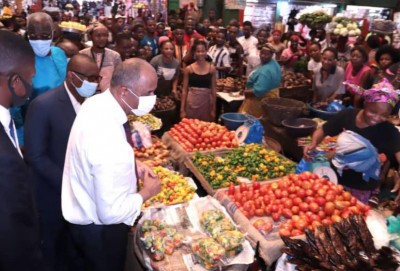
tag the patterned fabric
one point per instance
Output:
(382, 92)
(362, 195)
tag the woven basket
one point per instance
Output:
(299, 93)
(279, 109)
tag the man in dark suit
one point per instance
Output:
(47, 127)
(19, 231)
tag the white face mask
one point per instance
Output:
(146, 104)
(41, 47)
(87, 89)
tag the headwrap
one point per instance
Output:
(267, 46)
(162, 39)
(294, 37)
(382, 92)
(276, 31)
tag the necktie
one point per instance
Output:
(12, 133)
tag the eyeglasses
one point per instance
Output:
(89, 78)
(45, 36)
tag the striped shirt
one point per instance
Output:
(220, 57)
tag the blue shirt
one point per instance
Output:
(265, 78)
(50, 71)
(152, 42)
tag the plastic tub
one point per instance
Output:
(232, 121)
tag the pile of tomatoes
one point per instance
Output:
(297, 202)
(197, 135)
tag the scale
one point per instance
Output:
(250, 132)
(327, 173)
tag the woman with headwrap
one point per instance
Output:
(369, 126)
(262, 82)
(292, 54)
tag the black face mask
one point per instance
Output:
(17, 100)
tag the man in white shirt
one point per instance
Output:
(220, 56)
(47, 126)
(19, 228)
(99, 187)
(248, 41)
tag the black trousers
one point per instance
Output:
(103, 246)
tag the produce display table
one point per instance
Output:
(188, 226)
(276, 215)
(267, 170)
(178, 154)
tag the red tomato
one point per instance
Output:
(259, 223)
(243, 187)
(266, 199)
(288, 203)
(287, 213)
(284, 232)
(297, 201)
(321, 214)
(301, 193)
(231, 189)
(329, 208)
(259, 212)
(238, 196)
(346, 196)
(256, 185)
(274, 208)
(301, 224)
(353, 201)
(295, 210)
(313, 207)
(267, 227)
(263, 190)
(304, 206)
(258, 203)
(268, 209)
(276, 216)
(320, 201)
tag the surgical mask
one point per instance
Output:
(17, 100)
(146, 104)
(41, 47)
(87, 89)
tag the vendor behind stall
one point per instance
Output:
(328, 79)
(262, 83)
(372, 128)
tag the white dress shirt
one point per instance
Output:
(5, 118)
(248, 44)
(99, 182)
(75, 104)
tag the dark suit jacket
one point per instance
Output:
(47, 126)
(19, 231)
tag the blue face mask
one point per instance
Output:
(41, 47)
(87, 89)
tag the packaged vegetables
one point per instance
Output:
(160, 239)
(226, 240)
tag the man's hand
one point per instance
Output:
(396, 187)
(151, 185)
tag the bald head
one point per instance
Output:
(39, 18)
(14, 51)
(133, 73)
(80, 62)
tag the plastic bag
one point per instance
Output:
(377, 226)
(318, 159)
(230, 240)
(335, 107)
(256, 132)
(209, 251)
(141, 135)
